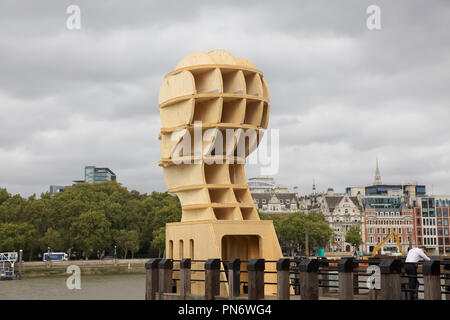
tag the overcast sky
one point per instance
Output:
(341, 94)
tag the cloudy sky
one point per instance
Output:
(341, 94)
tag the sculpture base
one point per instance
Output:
(225, 240)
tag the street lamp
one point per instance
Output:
(115, 252)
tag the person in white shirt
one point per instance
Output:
(414, 256)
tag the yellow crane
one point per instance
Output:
(394, 235)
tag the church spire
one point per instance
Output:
(377, 180)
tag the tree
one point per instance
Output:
(85, 218)
(14, 237)
(159, 240)
(91, 233)
(353, 236)
(128, 240)
(52, 239)
(291, 230)
(4, 195)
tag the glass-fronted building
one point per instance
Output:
(94, 175)
(388, 189)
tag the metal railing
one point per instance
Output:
(345, 278)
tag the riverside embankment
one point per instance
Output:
(88, 267)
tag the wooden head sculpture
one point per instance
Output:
(219, 92)
(210, 106)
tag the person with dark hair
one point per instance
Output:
(414, 256)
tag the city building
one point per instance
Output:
(272, 198)
(92, 174)
(431, 221)
(442, 204)
(55, 189)
(310, 202)
(410, 191)
(342, 212)
(384, 214)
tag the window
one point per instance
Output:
(263, 200)
(170, 255)
(191, 248)
(288, 201)
(445, 222)
(181, 250)
(281, 201)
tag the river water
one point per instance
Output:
(101, 287)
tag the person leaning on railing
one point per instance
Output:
(414, 256)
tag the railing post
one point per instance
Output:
(309, 281)
(212, 279)
(20, 264)
(345, 269)
(432, 280)
(404, 281)
(447, 278)
(151, 281)
(185, 278)
(283, 267)
(391, 288)
(234, 278)
(255, 269)
(324, 278)
(355, 278)
(165, 277)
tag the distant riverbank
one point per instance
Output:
(93, 287)
(88, 267)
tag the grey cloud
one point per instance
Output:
(340, 94)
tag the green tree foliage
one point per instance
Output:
(87, 220)
(158, 241)
(128, 240)
(353, 236)
(291, 229)
(52, 239)
(14, 237)
(91, 232)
